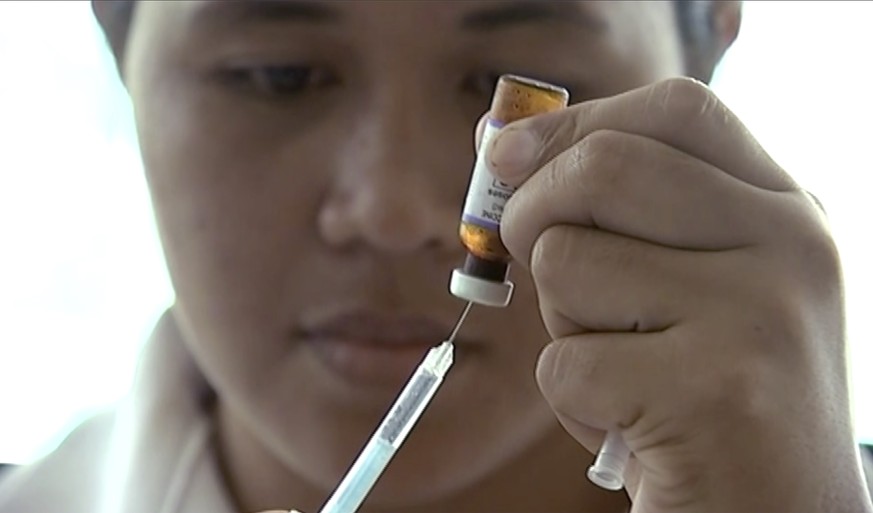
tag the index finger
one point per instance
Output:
(680, 112)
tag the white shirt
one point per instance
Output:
(152, 454)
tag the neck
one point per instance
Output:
(550, 476)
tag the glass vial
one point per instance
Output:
(484, 277)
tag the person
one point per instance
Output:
(307, 162)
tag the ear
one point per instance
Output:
(711, 28)
(114, 17)
(725, 19)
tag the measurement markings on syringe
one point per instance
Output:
(401, 413)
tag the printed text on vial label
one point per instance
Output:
(487, 196)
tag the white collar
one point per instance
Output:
(161, 457)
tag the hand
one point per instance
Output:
(694, 297)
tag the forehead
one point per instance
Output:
(597, 17)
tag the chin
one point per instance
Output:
(442, 463)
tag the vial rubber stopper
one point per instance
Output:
(480, 291)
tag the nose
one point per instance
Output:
(391, 194)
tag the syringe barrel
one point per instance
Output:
(392, 431)
(359, 480)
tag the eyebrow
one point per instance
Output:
(510, 14)
(242, 12)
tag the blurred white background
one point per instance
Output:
(81, 275)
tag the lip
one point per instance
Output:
(373, 348)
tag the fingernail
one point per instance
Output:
(512, 154)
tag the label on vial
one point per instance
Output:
(486, 195)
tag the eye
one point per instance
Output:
(277, 80)
(481, 84)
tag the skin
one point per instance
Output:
(685, 290)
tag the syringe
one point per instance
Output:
(396, 425)
(608, 469)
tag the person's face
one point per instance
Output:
(308, 163)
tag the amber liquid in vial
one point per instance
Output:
(514, 98)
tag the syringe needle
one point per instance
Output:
(460, 322)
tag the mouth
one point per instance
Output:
(371, 348)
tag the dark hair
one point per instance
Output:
(693, 17)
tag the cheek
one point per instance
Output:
(236, 213)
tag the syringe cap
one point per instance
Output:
(607, 472)
(477, 290)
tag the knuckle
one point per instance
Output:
(807, 245)
(733, 386)
(768, 343)
(557, 131)
(685, 99)
(548, 257)
(558, 173)
(774, 326)
(602, 144)
(563, 371)
(736, 392)
(817, 203)
(819, 257)
(600, 159)
(520, 221)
